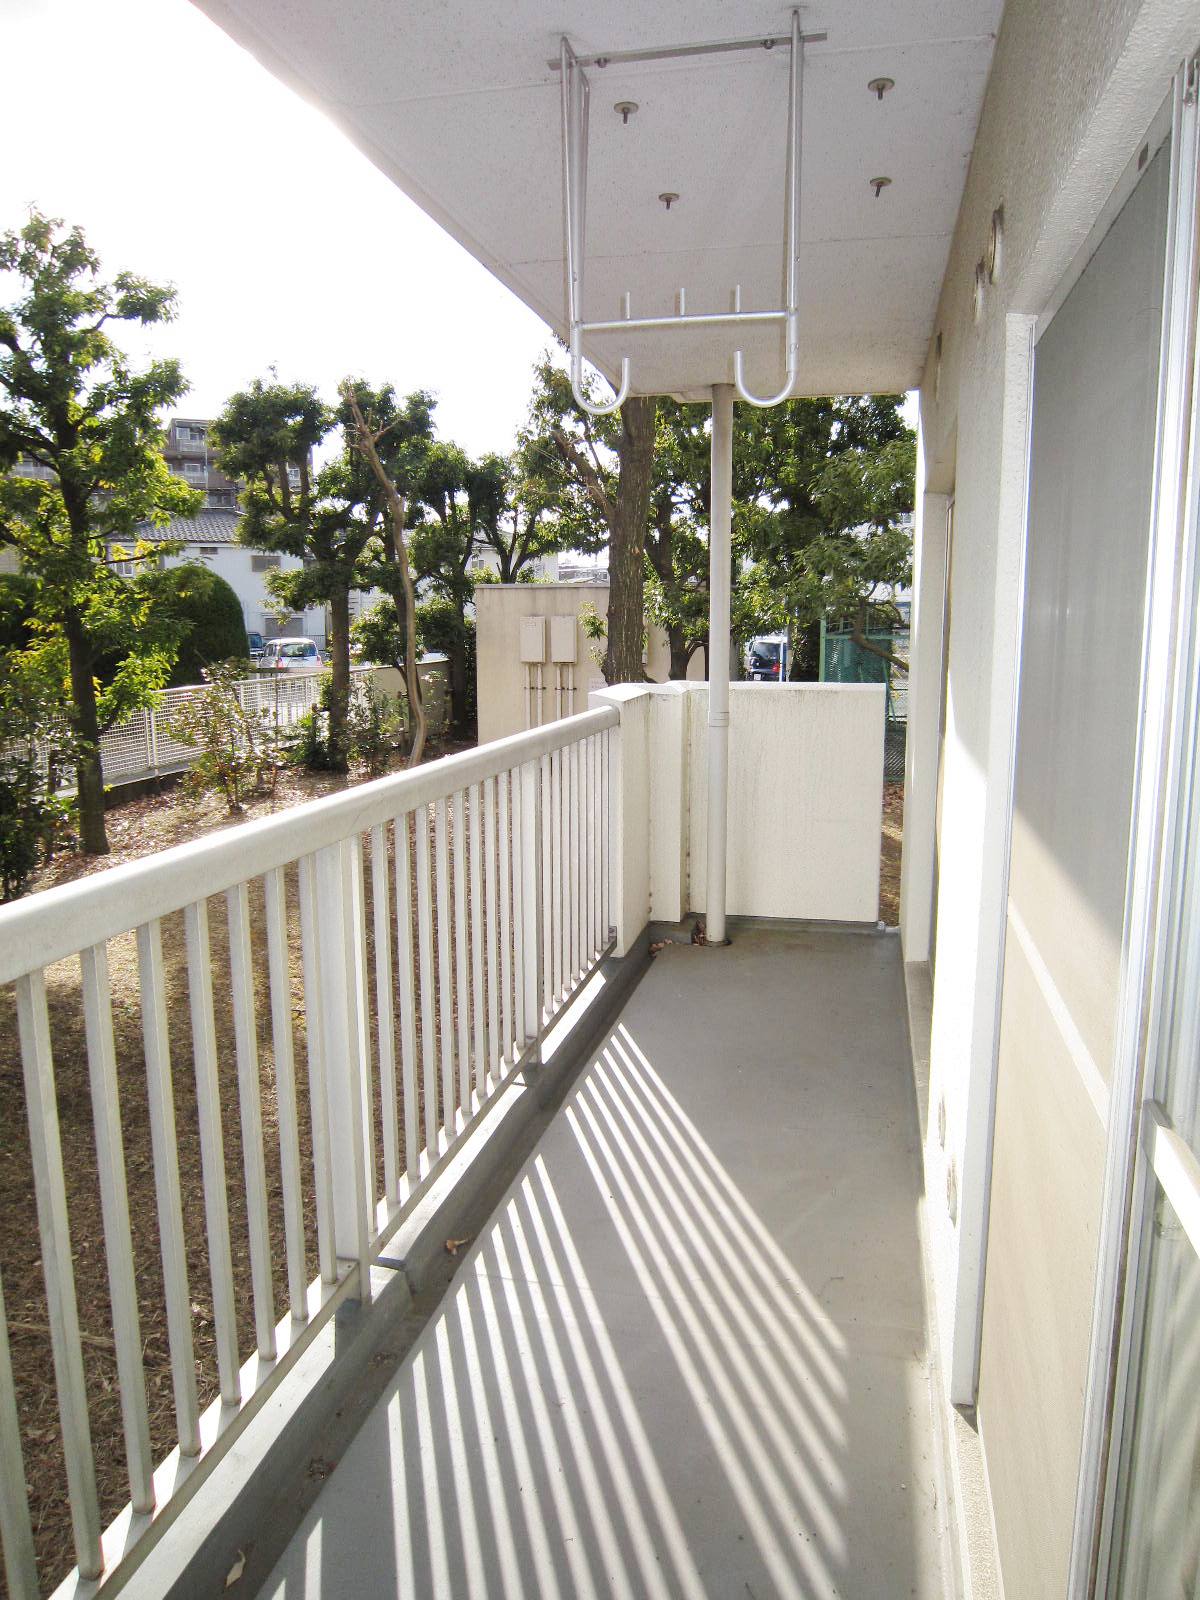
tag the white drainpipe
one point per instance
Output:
(719, 534)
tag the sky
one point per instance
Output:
(186, 162)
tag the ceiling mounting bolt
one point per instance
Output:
(880, 86)
(879, 185)
(602, 62)
(768, 44)
(668, 198)
(625, 109)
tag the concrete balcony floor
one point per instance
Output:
(686, 1356)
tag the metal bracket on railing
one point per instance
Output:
(575, 95)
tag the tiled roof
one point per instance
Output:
(213, 525)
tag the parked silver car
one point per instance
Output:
(291, 655)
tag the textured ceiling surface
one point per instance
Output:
(456, 101)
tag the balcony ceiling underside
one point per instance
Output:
(457, 103)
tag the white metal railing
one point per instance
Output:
(409, 941)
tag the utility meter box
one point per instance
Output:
(533, 640)
(563, 645)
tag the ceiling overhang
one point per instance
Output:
(459, 104)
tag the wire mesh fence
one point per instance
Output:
(146, 745)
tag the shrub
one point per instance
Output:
(238, 749)
(207, 613)
(372, 729)
(32, 816)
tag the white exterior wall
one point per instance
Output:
(234, 563)
(499, 608)
(805, 799)
(1075, 87)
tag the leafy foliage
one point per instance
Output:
(237, 748)
(31, 815)
(207, 613)
(73, 405)
(820, 488)
(331, 516)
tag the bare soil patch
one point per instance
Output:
(889, 861)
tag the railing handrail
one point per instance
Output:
(57, 923)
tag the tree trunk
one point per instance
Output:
(89, 772)
(681, 652)
(460, 685)
(627, 543)
(339, 691)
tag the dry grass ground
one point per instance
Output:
(138, 828)
(889, 864)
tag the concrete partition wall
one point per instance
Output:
(805, 800)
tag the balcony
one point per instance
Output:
(618, 1281)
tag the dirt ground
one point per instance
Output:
(889, 863)
(138, 828)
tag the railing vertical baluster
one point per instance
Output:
(254, 1166)
(425, 964)
(495, 1043)
(461, 953)
(606, 826)
(58, 1269)
(598, 839)
(589, 813)
(529, 874)
(593, 803)
(584, 886)
(546, 830)
(165, 1151)
(280, 983)
(385, 1015)
(516, 835)
(572, 758)
(114, 1209)
(361, 1011)
(478, 1001)
(16, 1532)
(318, 1100)
(338, 926)
(407, 988)
(504, 861)
(445, 948)
(212, 1147)
(558, 930)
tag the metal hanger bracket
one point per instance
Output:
(575, 94)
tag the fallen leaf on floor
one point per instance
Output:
(236, 1570)
(453, 1246)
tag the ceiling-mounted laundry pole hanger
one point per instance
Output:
(575, 94)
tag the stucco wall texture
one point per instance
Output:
(499, 608)
(1075, 87)
(805, 800)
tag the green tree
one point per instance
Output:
(607, 482)
(820, 487)
(206, 612)
(518, 516)
(330, 516)
(392, 439)
(71, 402)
